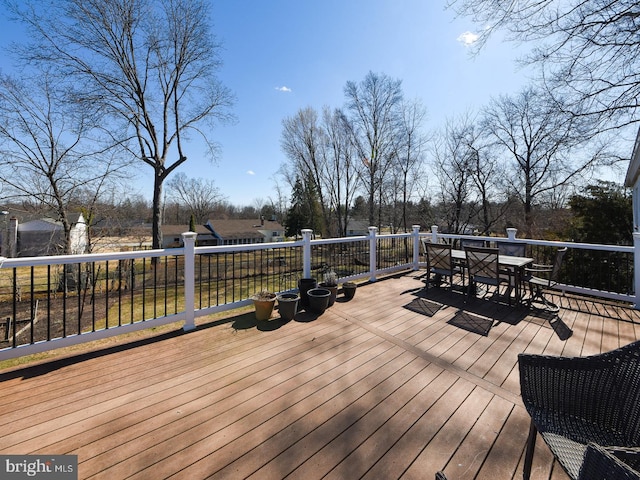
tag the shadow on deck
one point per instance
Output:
(397, 383)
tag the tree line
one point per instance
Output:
(520, 156)
(107, 85)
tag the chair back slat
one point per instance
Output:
(470, 242)
(482, 262)
(512, 248)
(557, 263)
(439, 256)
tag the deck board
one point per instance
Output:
(382, 386)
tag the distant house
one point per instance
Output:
(46, 237)
(356, 228)
(172, 236)
(240, 232)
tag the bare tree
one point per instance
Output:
(341, 173)
(409, 152)
(321, 149)
(279, 204)
(541, 145)
(199, 195)
(304, 143)
(50, 154)
(487, 174)
(374, 106)
(588, 50)
(453, 166)
(147, 65)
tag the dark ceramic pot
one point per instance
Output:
(334, 292)
(349, 290)
(304, 285)
(318, 300)
(288, 305)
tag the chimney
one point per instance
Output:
(262, 220)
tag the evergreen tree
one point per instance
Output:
(603, 215)
(305, 210)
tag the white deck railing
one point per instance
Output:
(189, 305)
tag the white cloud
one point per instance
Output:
(250, 172)
(467, 38)
(283, 89)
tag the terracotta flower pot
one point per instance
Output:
(264, 303)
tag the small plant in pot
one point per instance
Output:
(349, 289)
(330, 283)
(264, 301)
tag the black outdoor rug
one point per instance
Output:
(423, 306)
(472, 323)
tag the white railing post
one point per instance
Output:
(189, 239)
(373, 264)
(511, 233)
(636, 268)
(416, 246)
(434, 233)
(306, 252)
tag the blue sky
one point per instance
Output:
(283, 55)
(314, 47)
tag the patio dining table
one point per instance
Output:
(514, 264)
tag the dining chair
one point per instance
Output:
(513, 249)
(542, 278)
(440, 263)
(483, 267)
(471, 242)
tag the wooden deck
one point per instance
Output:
(397, 383)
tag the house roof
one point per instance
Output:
(358, 225)
(177, 230)
(242, 228)
(48, 224)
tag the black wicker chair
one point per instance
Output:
(601, 463)
(574, 401)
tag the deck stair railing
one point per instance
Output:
(57, 301)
